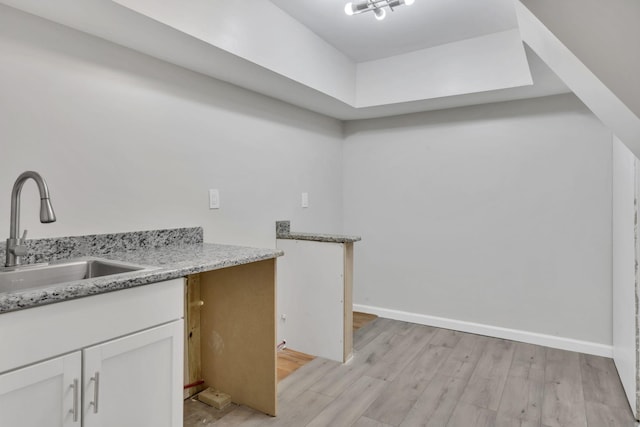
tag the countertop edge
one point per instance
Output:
(318, 237)
(15, 301)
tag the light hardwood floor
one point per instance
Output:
(362, 319)
(290, 361)
(412, 375)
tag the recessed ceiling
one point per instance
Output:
(424, 24)
(173, 31)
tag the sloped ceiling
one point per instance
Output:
(592, 91)
(431, 55)
(605, 35)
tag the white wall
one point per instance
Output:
(624, 268)
(284, 45)
(127, 142)
(498, 215)
(491, 62)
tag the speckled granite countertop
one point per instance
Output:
(163, 263)
(283, 232)
(317, 237)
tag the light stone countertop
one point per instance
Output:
(163, 263)
(319, 237)
(283, 231)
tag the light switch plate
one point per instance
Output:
(305, 200)
(214, 199)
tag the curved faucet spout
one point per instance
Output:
(15, 245)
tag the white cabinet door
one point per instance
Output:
(135, 381)
(44, 394)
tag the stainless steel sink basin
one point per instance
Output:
(42, 275)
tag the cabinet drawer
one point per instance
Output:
(38, 333)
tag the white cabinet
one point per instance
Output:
(124, 350)
(130, 381)
(315, 310)
(135, 381)
(44, 394)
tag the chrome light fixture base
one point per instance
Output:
(375, 6)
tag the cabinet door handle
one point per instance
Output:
(76, 393)
(96, 390)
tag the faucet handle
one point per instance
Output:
(19, 250)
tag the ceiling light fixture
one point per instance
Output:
(354, 8)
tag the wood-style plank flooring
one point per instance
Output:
(290, 361)
(362, 319)
(409, 375)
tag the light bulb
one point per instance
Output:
(348, 8)
(380, 13)
(409, 2)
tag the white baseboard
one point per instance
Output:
(492, 331)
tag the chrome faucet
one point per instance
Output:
(16, 247)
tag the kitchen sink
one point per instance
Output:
(41, 275)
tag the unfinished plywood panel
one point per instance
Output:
(193, 305)
(238, 333)
(348, 301)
